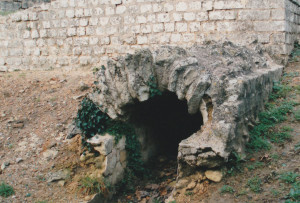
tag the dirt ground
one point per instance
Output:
(35, 110)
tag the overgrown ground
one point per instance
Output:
(36, 107)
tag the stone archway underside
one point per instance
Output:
(228, 84)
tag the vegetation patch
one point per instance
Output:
(90, 186)
(92, 120)
(6, 190)
(289, 177)
(255, 184)
(226, 189)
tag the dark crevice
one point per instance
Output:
(165, 121)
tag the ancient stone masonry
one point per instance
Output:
(14, 5)
(84, 33)
(226, 83)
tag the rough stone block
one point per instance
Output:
(146, 8)
(181, 27)
(189, 16)
(254, 14)
(222, 15)
(163, 17)
(262, 26)
(158, 27)
(181, 6)
(142, 39)
(228, 5)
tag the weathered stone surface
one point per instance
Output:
(103, 143)
(227, 83)
(215, 176)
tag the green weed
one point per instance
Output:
(6, 190)
(294, 193)
(255, 184)
(89, 186)
(154, 91)
(297, 115)
(289, 177)
(5, 13)
(226, 189)
(275, 193)
(235, 163)
(256, 165)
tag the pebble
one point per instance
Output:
(18, 160)
(5, 165)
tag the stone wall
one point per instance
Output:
(292, 11)
(14, 5)
(76, 33)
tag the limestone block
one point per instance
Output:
(175, 37)
(104, 21)
(202, 16)
(158, 27)
(157, 8)
(142, 39)
(228, 5)
(194, 26)
(254, 14)
(189, 16)
(196, 5)
(87, 12)
(83, 22)
(177, 16)
(71, 32)
(278, 14)
(104, 143)
(35, 34)
(109, 11)
(163, 17)
(207, 5)
(120, 9)
(222, 15)
(110, 163)
(146, 8)
(168, 7)
(169, 27)
(181, 27)
(116, 2)
(146, 29)
(141, 19)
(270, 26)
(181, 6)
(70, 13)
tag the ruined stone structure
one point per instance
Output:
(84, 33)
(14, 5)
(227, 84)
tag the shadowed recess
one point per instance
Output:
(165, 121)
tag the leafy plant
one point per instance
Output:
(6, 190)
(89, 186)
(296, 52)
(226, 189)
(91, 120)
(289, 177)
(256, 165)
(255, 184)
(280, 90)
(154, 91)
(275, 192)
(297, 115)
(294, 193)
(267, 120)
(234, 164)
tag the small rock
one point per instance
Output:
(152, 187)
(73, 130)
(18, 160)
(215, 176)
(182, 183)
(61, 183)
(83, 86)
(5, 165)
(192, 185)
(55, 176)
(50, 154)
(78, 97)
(104, 144)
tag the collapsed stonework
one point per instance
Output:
(228, 84)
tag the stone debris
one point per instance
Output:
(4, 165)
(215, 176)
(56, 176)
(18, 160)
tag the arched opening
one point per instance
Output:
(162, 122)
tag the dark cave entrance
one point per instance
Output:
(162, 122)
